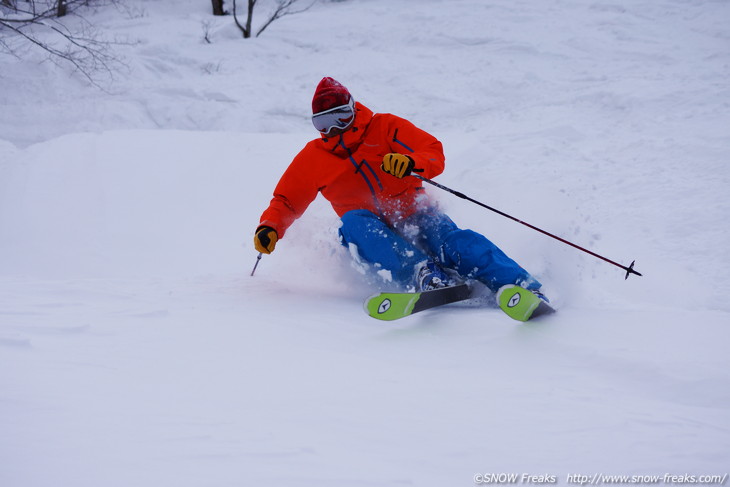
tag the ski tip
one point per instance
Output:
(521, 304)
(390, 306)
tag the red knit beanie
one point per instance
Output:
(329, 94)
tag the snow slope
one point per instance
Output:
(135, 349)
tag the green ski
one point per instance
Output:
(393, 306)
(518, 303)
(521, 304)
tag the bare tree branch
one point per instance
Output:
(246, 30)
(283, 8)
(32, 16)
(83, 49)
(43, 9)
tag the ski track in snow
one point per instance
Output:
(135, 348)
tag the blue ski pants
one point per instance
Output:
(430, 235)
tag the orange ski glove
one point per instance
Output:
(265, 239)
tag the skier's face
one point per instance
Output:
(336, 120)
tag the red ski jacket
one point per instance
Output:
(346, 170)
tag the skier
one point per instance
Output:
(361, 164)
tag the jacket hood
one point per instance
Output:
(346, 143)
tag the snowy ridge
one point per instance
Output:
(135, 349)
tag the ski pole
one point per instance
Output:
(629, 269)
(258, 259)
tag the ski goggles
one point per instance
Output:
(339, 117)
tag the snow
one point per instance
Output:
(136, 349)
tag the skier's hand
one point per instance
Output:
(265, 239)
(399, 165)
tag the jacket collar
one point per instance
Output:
(348, 142)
